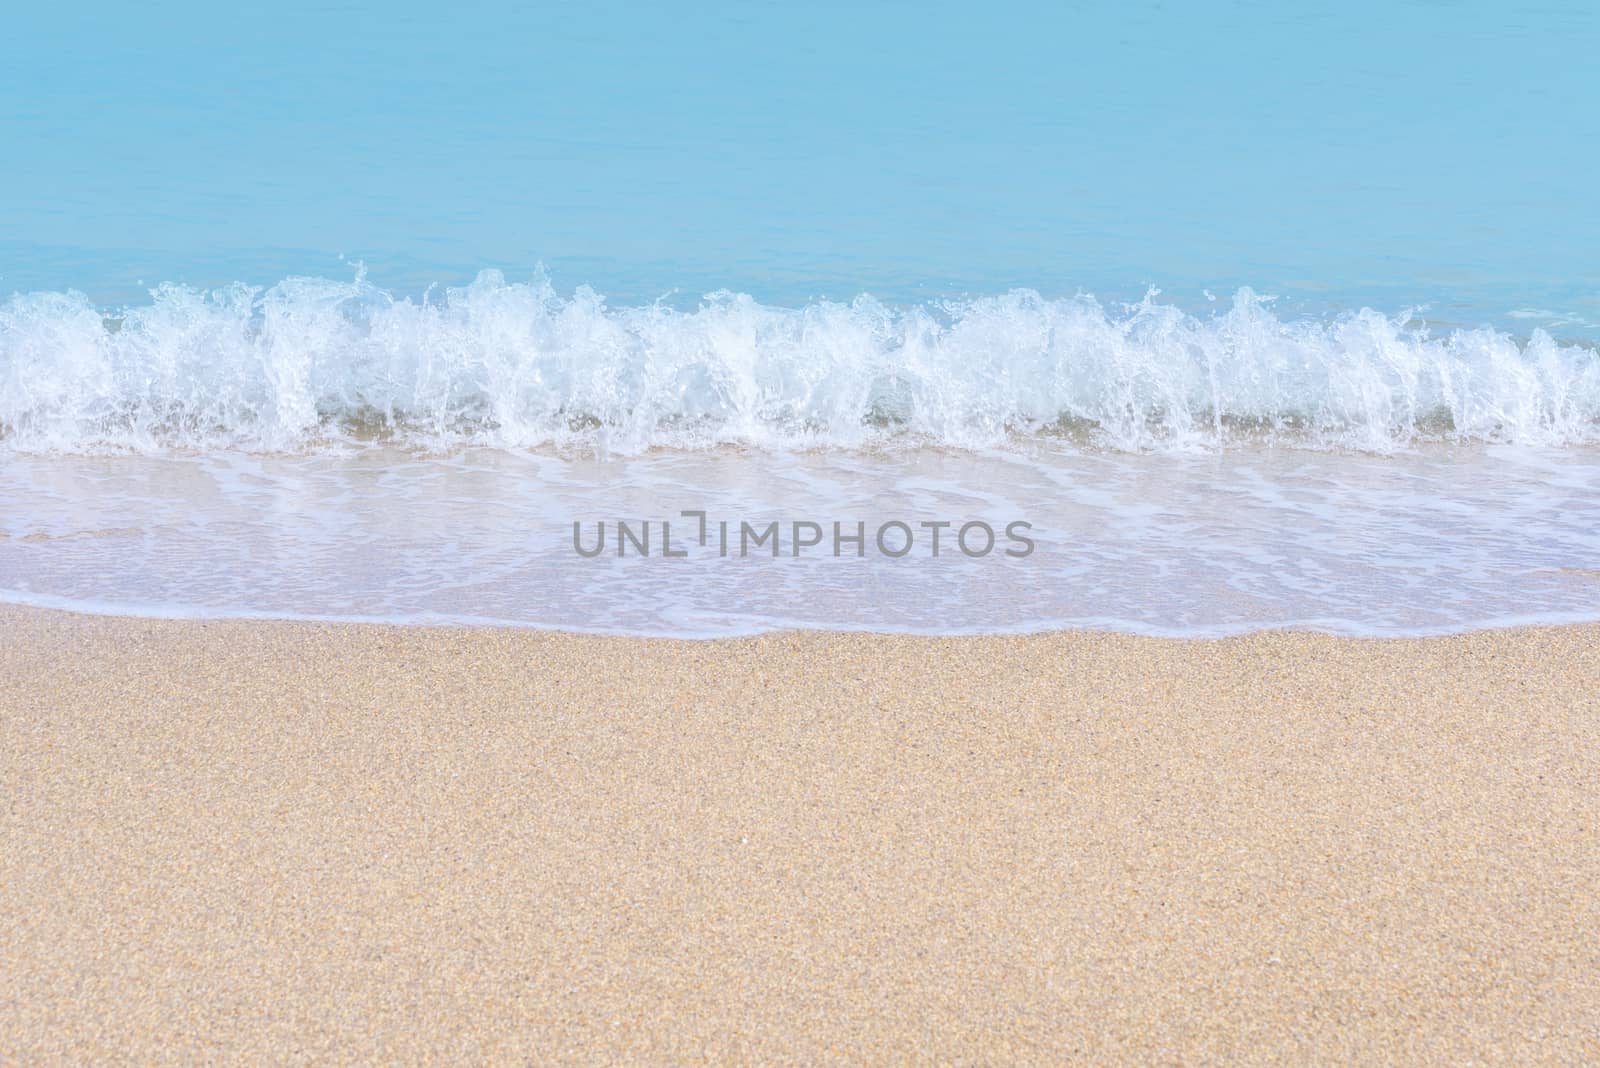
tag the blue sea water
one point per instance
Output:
(1262, 314)
(1333, 154)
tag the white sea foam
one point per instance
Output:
(310, 363)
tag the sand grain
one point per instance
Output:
(238, 840)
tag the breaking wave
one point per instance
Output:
(312, 363)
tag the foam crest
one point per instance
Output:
(310, 364)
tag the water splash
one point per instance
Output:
(310, 364)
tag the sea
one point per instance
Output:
(937, 318)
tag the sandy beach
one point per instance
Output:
(294, 842)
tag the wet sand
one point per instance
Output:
(290, 842)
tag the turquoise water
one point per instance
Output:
(1334, 155)
(1259, 314)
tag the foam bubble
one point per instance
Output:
(311, 364)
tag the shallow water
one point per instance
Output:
(1443, 539)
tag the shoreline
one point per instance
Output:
(1221, 633)
(241, 839)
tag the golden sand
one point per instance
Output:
(273, 841)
